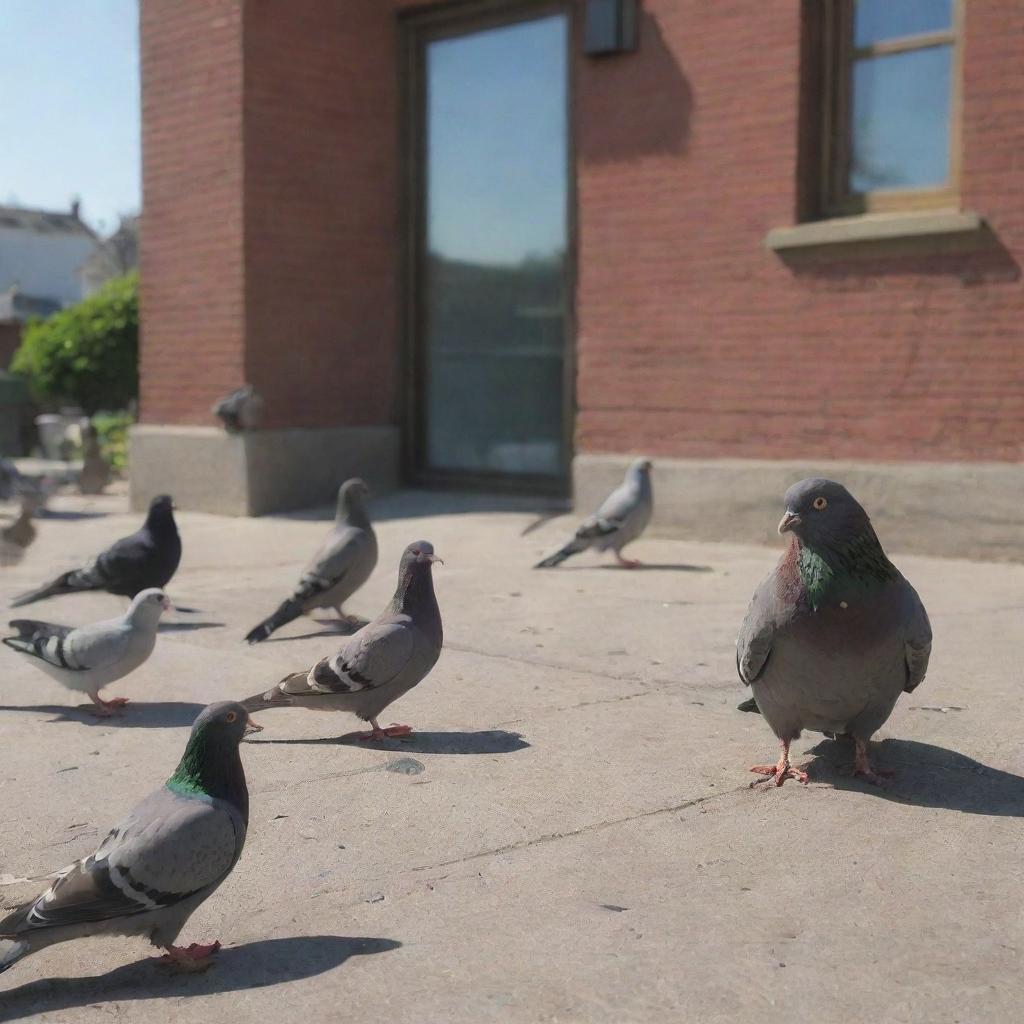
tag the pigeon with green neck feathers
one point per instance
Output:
(164, 859)
(835, 633)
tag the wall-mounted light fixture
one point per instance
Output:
(611, 27)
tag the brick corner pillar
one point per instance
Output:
(268, 251)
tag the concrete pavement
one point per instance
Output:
(570, 835)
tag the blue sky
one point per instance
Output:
(69, 116)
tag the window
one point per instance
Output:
(891, 95)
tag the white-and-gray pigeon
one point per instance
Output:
(835, 633)
(622, 517)
(147, 558)
(383, 660)
(167, 856)
(342, 565)
(87, 658)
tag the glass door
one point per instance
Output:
(491, 277)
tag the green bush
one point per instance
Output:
(112, 428)
(86, 355)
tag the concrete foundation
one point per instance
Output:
(257, 472)
(963, 510)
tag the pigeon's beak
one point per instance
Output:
(434, 558)
(788, 521)
(165, 603)
(251, 727)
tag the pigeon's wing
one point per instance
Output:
(373, 657)
(330, 564)
(124, 560)
(618, 506)
(918, 640)
(168, 849)
(754, 644)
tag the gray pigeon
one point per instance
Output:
(161, 861)
(341, 566)
(835, 633)
(241, 410)
(19, 536)
(90, 657)
(380, 662)
(622, 517)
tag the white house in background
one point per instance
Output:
(112, 257)
(42, 252)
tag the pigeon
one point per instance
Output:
(161, 861)
(147, 558)
(341, 566)
(241, 410)
(835, 633)
(91, 657)
(96, 471)
(622, 517)
(17, 538)
(383, 660)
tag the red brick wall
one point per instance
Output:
(696, 341)
(192, 297)
(693, 339)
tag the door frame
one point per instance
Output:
(418, 28)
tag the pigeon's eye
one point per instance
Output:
(820, 502)
(230, 716)
(415, 551)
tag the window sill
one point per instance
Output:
(934, 231)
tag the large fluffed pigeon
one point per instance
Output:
(167, 856)
(147, 558)
(622, 517)
(88, 658)
(341, 566)
(383, 660)
(835, 633)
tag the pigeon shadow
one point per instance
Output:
(307, 636)
(187, 627)
(925, 775)
(642, 567)
(486, 741)
(142, 715)
(237, 968)
(69, 517)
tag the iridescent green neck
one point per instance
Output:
(212, 768)
(832, 573)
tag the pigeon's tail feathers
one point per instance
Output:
(574, 547)
(749, 705)
(288, 611)
(19, 643)
(61, 585)
(273, 698)
(12, 950)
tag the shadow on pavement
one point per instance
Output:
(254, 965)
(642, 567)
(141, 715)
(925, 776)
(188, 627)
(70, 517)
(488, 741)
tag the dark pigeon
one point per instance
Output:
(380, 662)
(835, 633)
(148, 558)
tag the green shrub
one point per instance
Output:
(112, 428)
(86, 355)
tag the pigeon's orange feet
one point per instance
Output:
(862, 767)
(778, 773)
(627, 563)
(189, 959)
(105, 708)
(393, 731)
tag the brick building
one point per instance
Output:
(507, 243)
